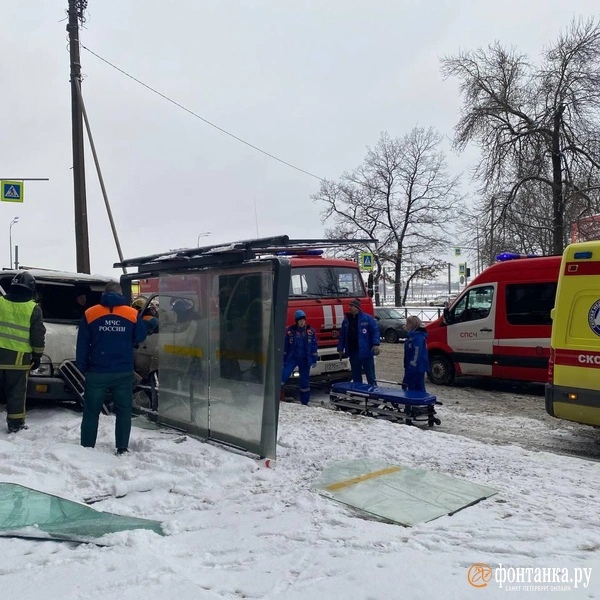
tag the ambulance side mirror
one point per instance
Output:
(446, 316)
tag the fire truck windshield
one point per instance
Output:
(326, 282)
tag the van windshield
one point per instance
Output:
(62, 300)
(326, 282)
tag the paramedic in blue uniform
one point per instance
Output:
(359, 340)
(107, 334)
(300, 351)
(416, 358)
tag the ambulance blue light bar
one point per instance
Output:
(513, 256)
(581, 255)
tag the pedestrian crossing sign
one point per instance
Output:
(12, 191)
(366, 261)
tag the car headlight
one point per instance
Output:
(45, 368)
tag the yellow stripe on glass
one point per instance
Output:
(348, 482)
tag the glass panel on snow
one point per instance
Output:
(29, 513)
(396, 493)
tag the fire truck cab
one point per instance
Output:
(500, 324)
(323, 287)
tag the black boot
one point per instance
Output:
(14, 426)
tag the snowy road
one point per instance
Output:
(499, 412)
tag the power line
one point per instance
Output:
(235, 137)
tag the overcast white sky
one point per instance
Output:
(313, 82)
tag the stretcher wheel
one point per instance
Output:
(433, 422)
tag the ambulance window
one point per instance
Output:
(474, 305)
(530, 303)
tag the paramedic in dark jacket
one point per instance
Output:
(416, 359)
(359, 339)
(22, 337)
(300, 351)
(107, 334)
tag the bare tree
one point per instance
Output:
(402, 195)
(537, 128)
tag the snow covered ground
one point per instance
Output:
(239, 530)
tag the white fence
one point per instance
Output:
(425, 313)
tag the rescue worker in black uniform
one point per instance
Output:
(22, 338)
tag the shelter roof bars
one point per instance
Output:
(242, 250)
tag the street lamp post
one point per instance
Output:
(15, 220)
(204, 234)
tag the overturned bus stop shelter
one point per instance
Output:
(214, 368)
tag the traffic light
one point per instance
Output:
(370, 285)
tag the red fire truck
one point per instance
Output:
(323, 287)
(500, 325)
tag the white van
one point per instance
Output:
(56, 293)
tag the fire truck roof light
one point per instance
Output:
(581, 255)
(312, 252)
(513, 256)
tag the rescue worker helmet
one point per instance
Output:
(299, 314)
(25, 280)
(138, 303)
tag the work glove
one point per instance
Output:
(35, 363)
(375, 350)
(341, 354)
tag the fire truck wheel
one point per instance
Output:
(441, 370)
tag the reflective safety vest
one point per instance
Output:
(15, 325)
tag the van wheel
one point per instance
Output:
(391, 337)
(441, 370)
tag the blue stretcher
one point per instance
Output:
(392, 404)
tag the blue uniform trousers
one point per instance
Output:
(414, 381)
(304, 372)
(357, 364)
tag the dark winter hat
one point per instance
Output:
(355, 302)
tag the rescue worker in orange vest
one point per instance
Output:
(107, 334)
(22, 339)
(300, 351)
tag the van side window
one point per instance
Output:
(530, 303)
(475, 304)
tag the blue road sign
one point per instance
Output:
(12, 191)
(366, 261)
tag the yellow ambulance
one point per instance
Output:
(573, 389)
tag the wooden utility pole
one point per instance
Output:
(82, 245)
